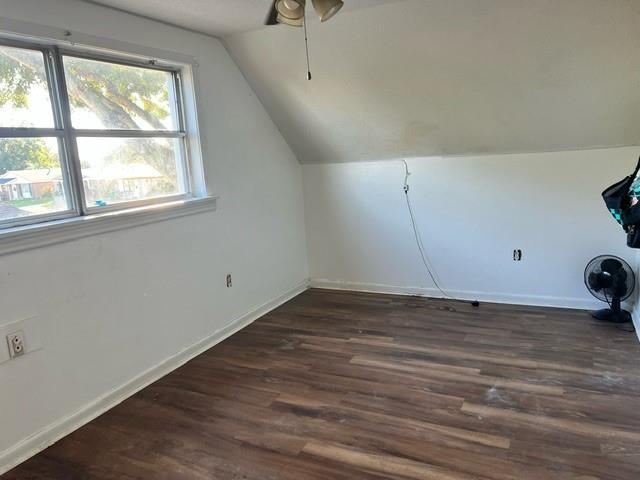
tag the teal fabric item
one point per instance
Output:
(622, 197)
(617, 214)
(634, 191)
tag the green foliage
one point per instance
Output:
(29, 202)
(119, 95)
(25, 153)
(100, 87)
(20, 70)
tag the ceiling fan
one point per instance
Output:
(292, 12)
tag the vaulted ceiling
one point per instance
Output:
(452, 77)
(213, 17)
(435, 77)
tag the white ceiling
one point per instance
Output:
(434, 77)
(452, 77)
(213, 17)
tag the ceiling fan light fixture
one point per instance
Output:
(326, 9)
(291, 4)
(292, 22)
(290, 10)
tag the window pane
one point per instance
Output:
(116, 170)
(30, 178)
(110, 96)
(24, 94)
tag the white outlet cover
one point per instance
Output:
(32, 333)
(17, 344)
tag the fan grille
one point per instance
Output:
(595, 269)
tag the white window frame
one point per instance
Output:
(81, 219)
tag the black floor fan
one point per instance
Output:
(610, 279)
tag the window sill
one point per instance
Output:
(49, 233)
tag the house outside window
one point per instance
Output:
(83, 133)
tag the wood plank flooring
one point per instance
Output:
(342, 385)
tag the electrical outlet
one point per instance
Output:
(16, 344)
(229, 281)
(517, 255)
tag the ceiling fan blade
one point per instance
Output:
(272, 18)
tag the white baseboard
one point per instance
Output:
(37, 442)
(535, 300)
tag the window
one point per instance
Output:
(84, 134)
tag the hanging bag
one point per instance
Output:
(618, 198)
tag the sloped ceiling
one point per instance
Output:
(452, 77)
(213, 17)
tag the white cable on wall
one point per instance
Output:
(416, 232)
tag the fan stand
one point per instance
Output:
(615, 314)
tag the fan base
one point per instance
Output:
(608, 315)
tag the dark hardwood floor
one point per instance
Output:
(340, 385)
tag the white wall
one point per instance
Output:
(112, 306)
(473, 211)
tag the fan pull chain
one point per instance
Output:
(306, 44)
